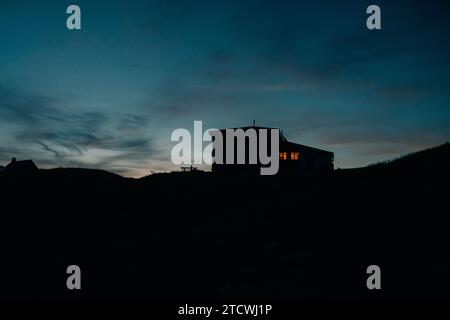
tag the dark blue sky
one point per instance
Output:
(109, 96)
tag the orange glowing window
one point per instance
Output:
(294, 155)
(283, 155)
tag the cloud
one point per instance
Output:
(39, 127)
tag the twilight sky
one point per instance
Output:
(109, 96)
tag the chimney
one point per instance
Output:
(13, 160)
(254, 123)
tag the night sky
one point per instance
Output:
(108, 96)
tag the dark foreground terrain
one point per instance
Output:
(195, 235)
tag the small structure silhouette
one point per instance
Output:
(22, 166)
(189, 169)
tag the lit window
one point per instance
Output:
(294, 155)
(283, 155)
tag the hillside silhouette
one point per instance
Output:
(196, 235)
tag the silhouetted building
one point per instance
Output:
(21, 166)
(293, 158)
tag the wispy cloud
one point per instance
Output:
(39, 127)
